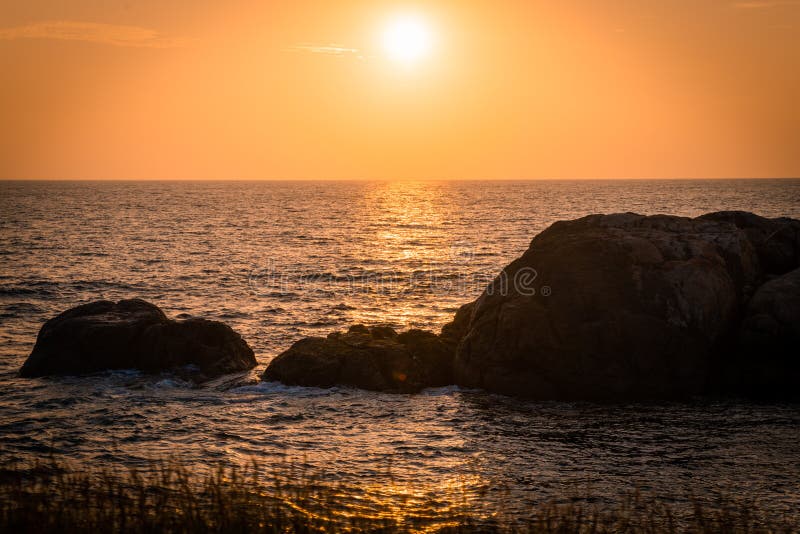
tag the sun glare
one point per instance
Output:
(407, 39)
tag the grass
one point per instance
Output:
(169, 497)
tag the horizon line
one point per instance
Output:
(585, 179)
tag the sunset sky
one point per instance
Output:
(245, 89)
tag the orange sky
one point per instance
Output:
(245, 89)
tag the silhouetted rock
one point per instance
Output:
(768, 363)
(606, 307)
(639, 307)
(134, 334)
(375, 358)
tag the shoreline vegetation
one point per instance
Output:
(170, 496)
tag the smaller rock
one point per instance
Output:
(134, 334)
(373, 358)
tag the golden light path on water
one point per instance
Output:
(415, 504)
(410, 230)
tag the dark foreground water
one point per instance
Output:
(279, 261)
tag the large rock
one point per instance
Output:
(768, 355)
(374, 358)
(633, 307)
(134, 334)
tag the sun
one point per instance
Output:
(407, 39)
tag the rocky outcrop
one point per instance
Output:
(634, 307)
(374, 358)
(606, 307)
(134, 334)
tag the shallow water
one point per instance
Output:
(278, 261)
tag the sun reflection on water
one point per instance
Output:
(410, 227)
(398, 499)
(411, 507)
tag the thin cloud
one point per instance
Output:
(765, 4)
(92, 32)
(327, 49)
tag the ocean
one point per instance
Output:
(282, 260)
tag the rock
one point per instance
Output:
(134, 334)
(375, 358)
(768, 363)
(634, 307)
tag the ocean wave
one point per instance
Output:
(16, 309)
(32, 289)
(445, 391)
(277, 388)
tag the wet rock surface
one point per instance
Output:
(640, 307)
(134, 334)
(375, 358)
